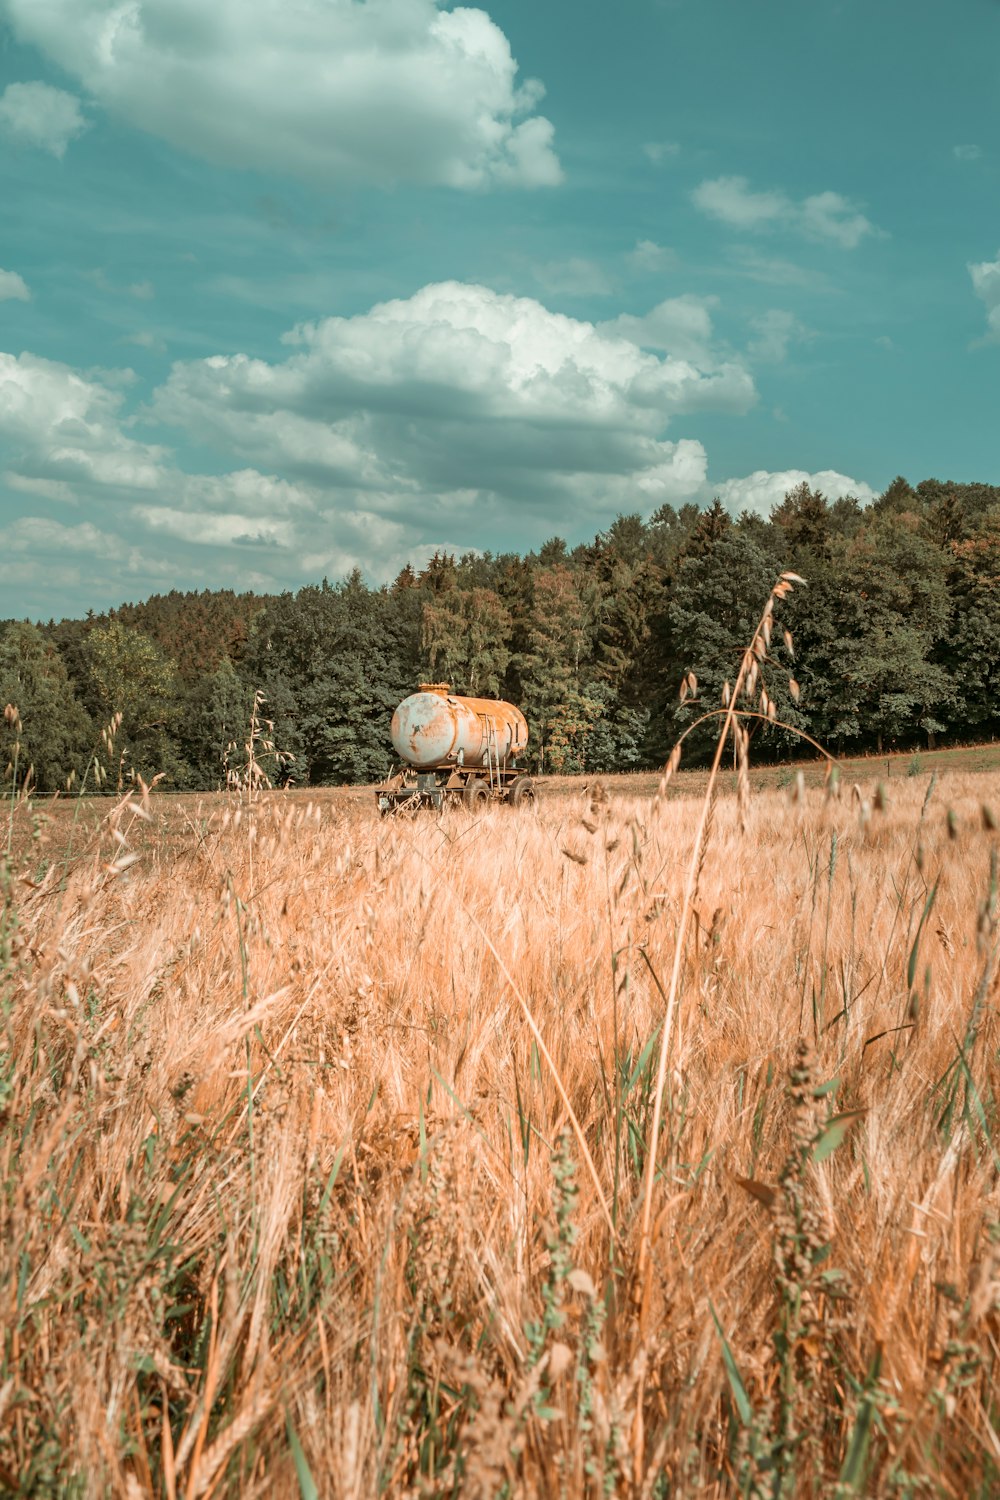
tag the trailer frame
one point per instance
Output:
(407, 790)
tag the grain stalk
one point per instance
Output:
(746, 681)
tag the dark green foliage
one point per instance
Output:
(57, 734)
(132, 678)
(712, 610)
(332, 664)
(214, 716)
(895, 645)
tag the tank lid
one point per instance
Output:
(434, 687)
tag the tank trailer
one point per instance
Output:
(456, 749)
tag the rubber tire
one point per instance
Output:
(522, 792)
(475, 795)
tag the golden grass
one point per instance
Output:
(289, 1193)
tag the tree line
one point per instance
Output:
(896, 643)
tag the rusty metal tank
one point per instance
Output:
(434, 727)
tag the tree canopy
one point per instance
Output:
(897, 643)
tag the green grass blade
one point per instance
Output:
(307, 1484)
(736, 1385)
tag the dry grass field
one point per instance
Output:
(323, 1144)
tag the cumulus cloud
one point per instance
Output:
(460, 390)
(378, 90)
(967, 153)
(59, 425)
(13, 287)
(35, 114)
(824, 216)
(458, 416)
(762, 490)
(682, 326)
(986, 285)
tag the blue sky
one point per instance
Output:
(293, 286)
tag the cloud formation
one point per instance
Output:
(13, 287)
(986, 285)
(35, 114)
(773, 331)
(63, 428)
(828, 216)
(682, 326)
(659, 152)
(762, 490)
(647, 256)
(574, 277)
(461, 391)
(457, 417)
(328, 90)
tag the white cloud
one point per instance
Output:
(967, 153)
(763, 490)
(35, 114)
(202, 529)
(986, 285)
(660, 151)
(648, 256)
(731, 201)
(58, 568)
(831, 216)
(683, 326)
(773, 331)
(775, 270)
(330, 90)
(143, 291)
(13, 287)
(574, 277)
(145, 338)
(59, 425)
(460, 389)
(37, 534)
(41, 489)
(458, 413)
(823, 216)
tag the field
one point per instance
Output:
(324, 1144)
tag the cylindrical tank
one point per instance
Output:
(433, 727)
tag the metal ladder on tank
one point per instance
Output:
(492, 752)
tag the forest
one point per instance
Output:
(893, 643)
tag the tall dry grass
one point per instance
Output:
(292, 1202)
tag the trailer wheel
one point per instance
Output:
(522, 792)
(476, 795)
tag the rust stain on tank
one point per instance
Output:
(440, 723)
(435, 727)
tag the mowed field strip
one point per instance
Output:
(293, 1195)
